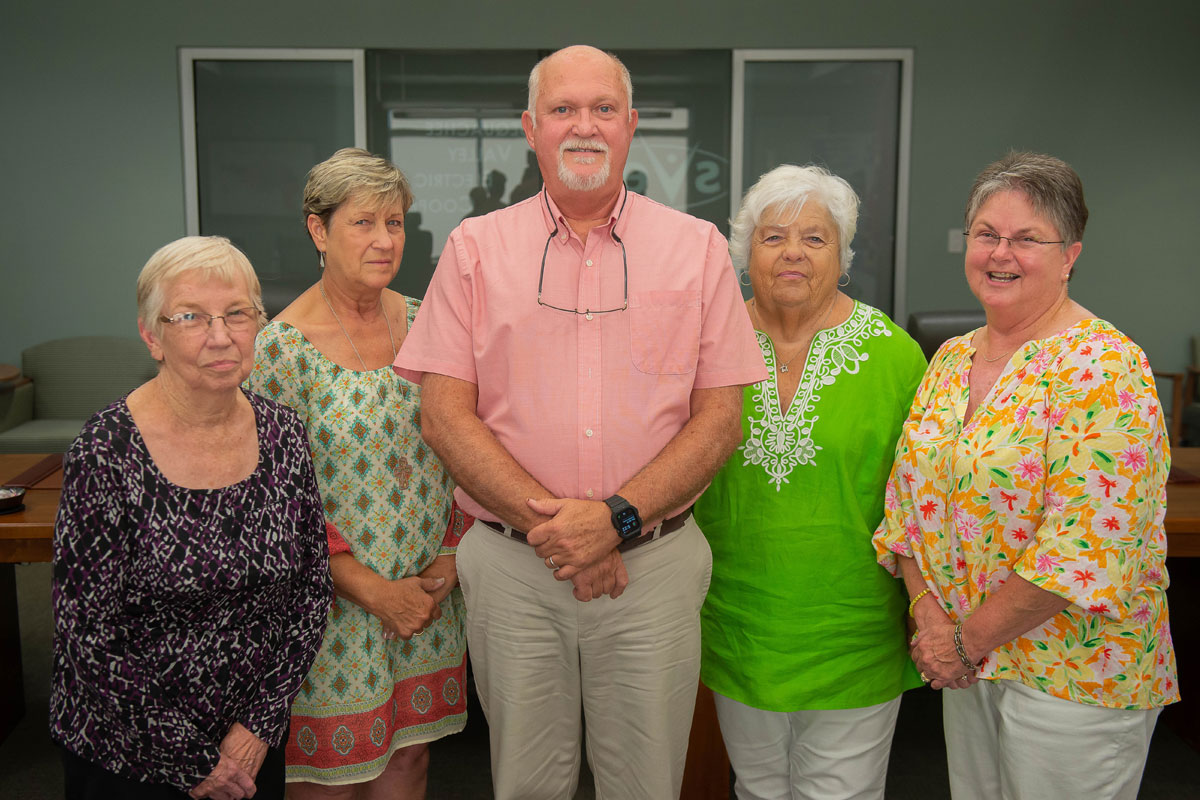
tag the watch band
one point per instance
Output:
(625, 517)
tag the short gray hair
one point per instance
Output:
(1051, 186)
(784, 191)
(211, 256)
(535, 84)
(353, 172)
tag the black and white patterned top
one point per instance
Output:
(178, 612)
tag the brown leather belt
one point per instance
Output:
(668, 526)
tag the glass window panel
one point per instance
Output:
(260, 127)
(843, 115)
(682, 141)
(452, 121)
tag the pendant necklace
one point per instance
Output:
(391, 339)
(781, 368)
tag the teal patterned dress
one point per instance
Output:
(390, 498)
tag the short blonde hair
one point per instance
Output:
(211, 256)
(353, 172)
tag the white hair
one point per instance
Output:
(535, 84)
(579, 183)
(783, 192)
(211, 256)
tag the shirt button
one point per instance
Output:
(588, 432)
(589, 492)
(588, 262)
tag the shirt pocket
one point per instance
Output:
(664, 332)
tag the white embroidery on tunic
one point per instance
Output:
(781, 442)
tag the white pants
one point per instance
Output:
(1007, 740)
(631, 665)
(827, 754)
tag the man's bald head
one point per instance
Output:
(577, 53)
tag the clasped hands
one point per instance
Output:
(408, 605)
(933, 651)
(579, 544)
(242, 755)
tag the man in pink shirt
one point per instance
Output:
(581, 356)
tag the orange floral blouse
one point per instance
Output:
(1059, 476)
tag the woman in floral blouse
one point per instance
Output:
(803, 639)
(1025, 514)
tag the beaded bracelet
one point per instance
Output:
(962, 651)
(913, 603)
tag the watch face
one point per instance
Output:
(627, 523)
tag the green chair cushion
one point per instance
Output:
(41, 436)
(76, 377)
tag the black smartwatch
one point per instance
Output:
(625, 518)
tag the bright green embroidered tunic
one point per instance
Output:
(799, 614)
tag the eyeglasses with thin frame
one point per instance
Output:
(587, 312)
(239, 319)
(989, 240)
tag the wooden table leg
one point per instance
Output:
(12, 682)
(706, 773)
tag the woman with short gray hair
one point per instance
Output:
(803, 635)
(1025, 514)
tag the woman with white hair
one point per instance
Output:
(191, 571)
(803, 634)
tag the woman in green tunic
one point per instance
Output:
(803, 633)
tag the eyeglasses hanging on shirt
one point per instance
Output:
(587, 312)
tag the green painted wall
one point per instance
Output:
(93, 179)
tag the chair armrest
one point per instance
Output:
(1189, 386)
(16, 406)
(1175, 415)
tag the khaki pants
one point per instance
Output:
(543, 660)
(1006, 741)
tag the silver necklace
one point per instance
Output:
(781, 368)
(997, 358)
(1062, 304)
(391, 339)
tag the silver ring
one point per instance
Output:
(553, 566)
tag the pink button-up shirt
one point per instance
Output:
(583, 402)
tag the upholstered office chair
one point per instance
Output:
(1189, 412)
(65, 382)
(931, 328)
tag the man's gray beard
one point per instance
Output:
(581, 183)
